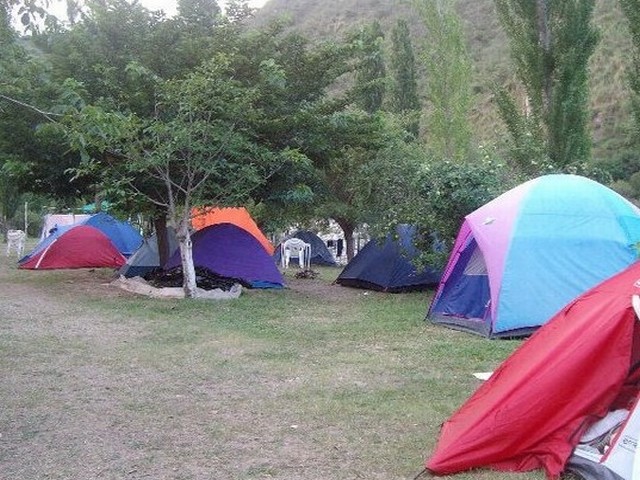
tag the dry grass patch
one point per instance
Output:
(315, 381)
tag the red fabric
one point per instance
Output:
(530, 414)
(81, 247)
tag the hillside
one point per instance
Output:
(321, 19)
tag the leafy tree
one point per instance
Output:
(32, 157)
(118, 57)
(386, 186)
(403, 91)
(106, 51)
(551, 43)
(370, 70)
(238, 11)
(631, 10)
(328, 140)
(199, 14)
(197, 150)
(448, 89)
(352, 138)
(624, 167)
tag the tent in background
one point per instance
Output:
(532, 412)
(88, 243)
(52, 221)
(147, 258)
(205, 216)
(74, 246)
(320, 254)
(232, 252)
(387, 266)
(520, 258)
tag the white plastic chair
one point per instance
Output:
(15, 241)
(296, 248)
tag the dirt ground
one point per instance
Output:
(71, 410)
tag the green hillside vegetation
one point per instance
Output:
(261, 110)
(489, 50)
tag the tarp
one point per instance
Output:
(320, 254)
(205, 216)
(388, 266)
(91, 207)
(521, 257)
(232, 252)
(74, 246)
(533, 410)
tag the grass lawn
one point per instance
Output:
(316, 381)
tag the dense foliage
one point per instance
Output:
(551, 44)
(374, 129)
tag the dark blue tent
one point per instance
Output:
(232, 252)
(387, 266)
(320, 254)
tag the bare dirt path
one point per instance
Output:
(86, 396)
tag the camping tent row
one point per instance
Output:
(99, 241)
(524, 255)
(228, 242)
(382, 266)
(566, 400)
(385, 267)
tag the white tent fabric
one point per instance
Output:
(608, 449)
(59, 219)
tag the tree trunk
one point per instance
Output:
(347, 228)
(160, 226)
(186, 256)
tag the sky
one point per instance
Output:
(58, 7)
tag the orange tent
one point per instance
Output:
(239, 216)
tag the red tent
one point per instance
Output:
(532, 411)
(74, 246)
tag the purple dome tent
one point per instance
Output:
(232, 252)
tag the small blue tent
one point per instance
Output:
(387, 267)
(147, 257)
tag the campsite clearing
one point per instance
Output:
(315, 381)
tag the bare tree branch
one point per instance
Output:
(47, 115)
